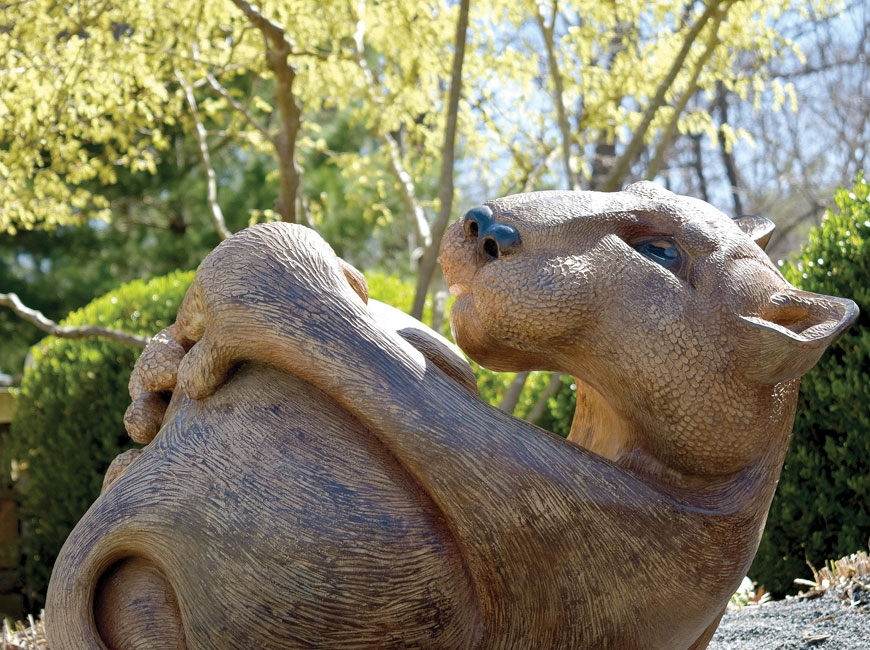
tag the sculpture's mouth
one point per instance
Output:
(459, 289)
(458, 260)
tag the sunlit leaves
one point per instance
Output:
(90, 87)
(613, 58)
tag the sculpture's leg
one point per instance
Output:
(134, 607)
(704, 640)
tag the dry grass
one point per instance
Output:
(842, 573)
(24, 637)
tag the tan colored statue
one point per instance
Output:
(325, 477)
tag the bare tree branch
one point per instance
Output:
(698, 166)
(531, 174)
(214, 207)
(38, 319)
(439, 305)
(547, 31)
(839, 60)
(408, 191)
(549, 391)
(239, 108)
(623, 164)
(727, 156)
(670, 130)
(406, 183)
(512, 395)
(279, 49)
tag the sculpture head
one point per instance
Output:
(659, 302)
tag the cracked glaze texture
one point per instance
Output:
(324, 475)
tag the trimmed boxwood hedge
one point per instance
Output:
(68, 423)
(821, 511)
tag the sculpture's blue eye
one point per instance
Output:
(662, 251)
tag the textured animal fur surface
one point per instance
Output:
(325, 476)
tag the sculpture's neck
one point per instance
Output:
(599, 428)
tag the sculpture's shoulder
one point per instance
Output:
(247, 293)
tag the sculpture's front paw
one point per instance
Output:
(155, 374)
(244, 303)
(152, 382)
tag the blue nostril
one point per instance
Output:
(477, 220)
(494, 240)
(499, 240)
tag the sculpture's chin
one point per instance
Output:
(459, 289)
(466, 329)
(459, 319)
(472, 337)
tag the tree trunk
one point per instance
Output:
(445, 185)
(727, 156)
(698, 164)
(279, 49)
(549, 391)
(547, 32)
(512, 395)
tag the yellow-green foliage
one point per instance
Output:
(399, 293)
(92, 88)
(68, 422)
(822, 505)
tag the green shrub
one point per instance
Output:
(68, 423)
(822, 506)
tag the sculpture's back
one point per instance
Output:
(320, 483)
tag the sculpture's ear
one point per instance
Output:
(758, 228)
(793, 331)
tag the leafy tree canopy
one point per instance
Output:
(89, 89)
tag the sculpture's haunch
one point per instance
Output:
(324, 477)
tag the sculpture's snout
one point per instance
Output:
(494, 240)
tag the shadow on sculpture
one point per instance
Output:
(324, 475)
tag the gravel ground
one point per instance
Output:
(838, 619)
